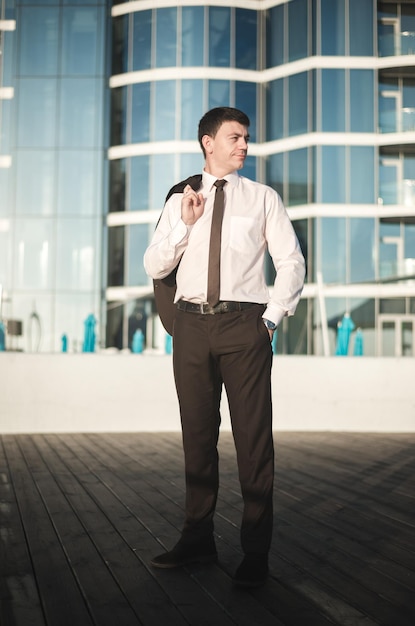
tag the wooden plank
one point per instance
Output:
(19, 598)
(59, 593)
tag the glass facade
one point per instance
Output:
(329, 86)
(53, 197)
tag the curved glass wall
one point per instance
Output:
(304, 72)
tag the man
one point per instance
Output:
(222, 334)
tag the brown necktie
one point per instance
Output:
(215, 242)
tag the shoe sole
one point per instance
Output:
(210, 558)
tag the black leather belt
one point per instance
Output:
(221, 307)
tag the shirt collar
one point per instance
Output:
(208, 179)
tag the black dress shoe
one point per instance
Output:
(252, 572)
(185, 554)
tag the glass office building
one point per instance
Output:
(53, 183)
(329, 86)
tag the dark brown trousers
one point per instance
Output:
(233, 349)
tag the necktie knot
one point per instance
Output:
(219, 184)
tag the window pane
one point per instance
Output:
(334, 168)
(246, 39)
(297, 177)
(116, 247)
(333, 249)
(361, 27)
(35, 177)
(119, 116)
(5, 254)
(84, 197)
(81, 112)
(297, 29)
(162, 168)
(36, 112)
(139, 176)
(137, 244)
(140, 122)
(70, 313)
(76, 254)
(275, 36)
(362, 101)
(362, 174)
(120, 44)
(362, 249)
(275, 110)
(166, 37)
(219, 93)
(5, 204)
(81, 41)
(142, 40)
(219, 36)
(245, 99)
(33, 254)
(117, 185)
(165, 111)
(332, 27)
(297, 108)
(39, 28)
(249, 168)
(192, 108)
(275, 173)
(333, 100)
(193, 28)
(190, 164)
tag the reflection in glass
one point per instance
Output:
(245, 39)
(249, 168)
(219, 93)
(333, 249)
(333, 112)
(362, 101)
(80, 112)
(138, 187)
(33, 253)
(5, 255)
(246, 99)
(35, 182)
(164, 120)
(388, 181)
(334, 180)
(137, 244)
(297, 29)
(118, 116)
(219, 36)
(38, 50)
(140, 112)
(362, 250)
(142, 40)
(275, 173)
(192, 42)
(36, 117)
(166, 37)
(297, 108)
(77, 254)
(192, 107)
(190, 164)
(81, 40)
(79, 182)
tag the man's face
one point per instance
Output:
(227, 151)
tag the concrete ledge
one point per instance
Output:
(122, 393)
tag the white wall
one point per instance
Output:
(126, 392)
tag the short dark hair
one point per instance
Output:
(213, 120)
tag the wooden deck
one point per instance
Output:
(81, 515)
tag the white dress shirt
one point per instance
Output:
(254, 219)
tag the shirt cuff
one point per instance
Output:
(274, 314)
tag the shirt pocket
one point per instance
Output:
(245, 234)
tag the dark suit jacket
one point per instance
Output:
(165, 288)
